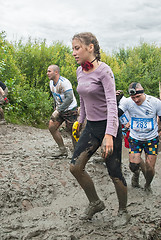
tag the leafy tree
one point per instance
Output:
(23, 67)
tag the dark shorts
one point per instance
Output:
(150, 147)
(69, 117)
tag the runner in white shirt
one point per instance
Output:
(66, 108)
(143, 110)
(58, 90)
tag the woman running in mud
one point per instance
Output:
(96, 88)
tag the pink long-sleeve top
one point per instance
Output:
(98, 97)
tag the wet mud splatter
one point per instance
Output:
(40, 199)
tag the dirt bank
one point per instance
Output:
(40, 199)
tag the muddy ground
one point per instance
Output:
(40, 199)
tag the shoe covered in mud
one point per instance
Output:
(135, 179)
(148, 189)
(122, 218)
(62, 152)
(3, 122)
(92, 208)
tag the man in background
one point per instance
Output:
(143, 110)
(3, 99)
(65, 110)
(124, 119)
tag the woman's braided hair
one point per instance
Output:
(88, 38)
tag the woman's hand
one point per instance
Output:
(107, 145)
(79, 127)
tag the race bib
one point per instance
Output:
(142, 124)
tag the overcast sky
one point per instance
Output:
(116, 23)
